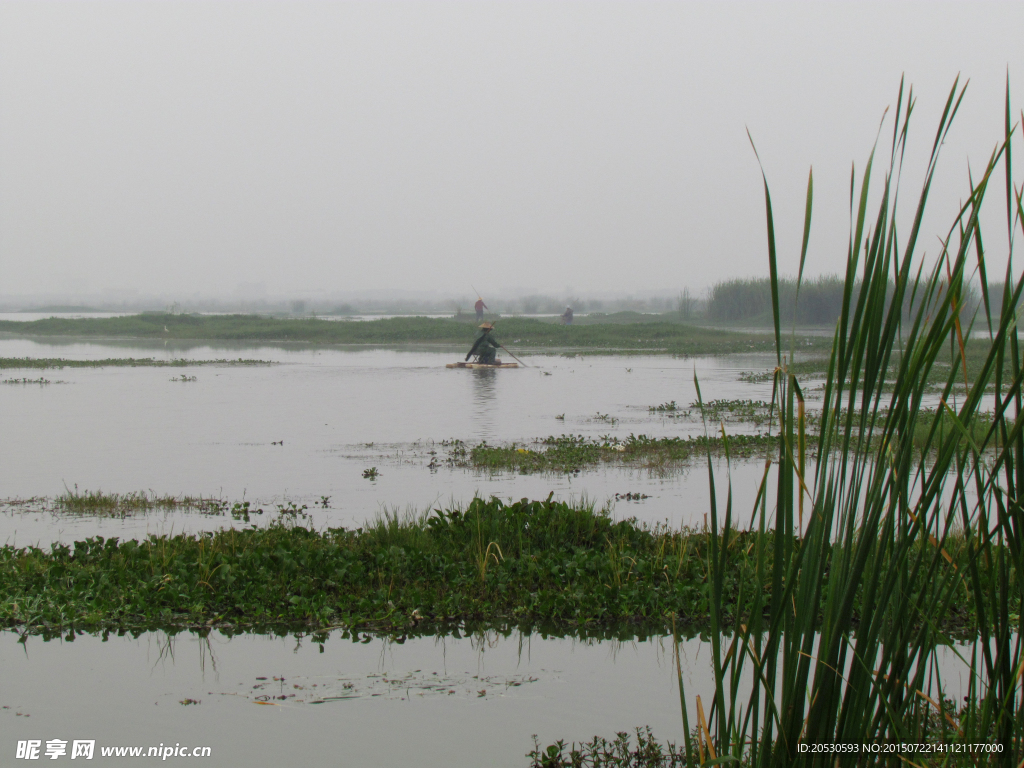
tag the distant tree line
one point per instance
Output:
(750, 300)
(820, 300)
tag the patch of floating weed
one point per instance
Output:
(561, 564)
(20, 503)
(572, 453)
(389, 686)
(750, 411)
(669, 407)
(243, 510)
(618, 753)
(185, 378)
(100, 503)
(806, 369)
(25, 382)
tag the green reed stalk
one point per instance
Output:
(858, 581)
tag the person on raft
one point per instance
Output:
(485, 347)
(480, 307)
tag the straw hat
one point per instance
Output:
(486, 326)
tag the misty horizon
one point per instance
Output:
(178, 149)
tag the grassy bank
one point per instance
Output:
(648, 336)
(530, 561)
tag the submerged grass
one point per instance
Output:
(561, 564)
(650, 337)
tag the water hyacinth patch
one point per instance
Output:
(567, 565)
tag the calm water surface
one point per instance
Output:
(307, 426)
(460, 702)
(284, 701)
(432, 702)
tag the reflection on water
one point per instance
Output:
(263, 700)
(361, 700)
(484, 395)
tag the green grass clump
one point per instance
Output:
(121, 362)
(100, 503)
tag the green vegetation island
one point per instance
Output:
(567, 567)
(627, 332)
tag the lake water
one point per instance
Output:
(309, 425)
(423, 702)
(305, 428)
(264, 700)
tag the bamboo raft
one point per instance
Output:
(482, 365)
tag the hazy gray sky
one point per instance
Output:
(175, 147)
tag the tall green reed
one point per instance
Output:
(867, 519)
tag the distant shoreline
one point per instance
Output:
(629, 332)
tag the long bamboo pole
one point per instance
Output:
(514, 357)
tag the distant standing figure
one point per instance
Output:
(480, 307)
(567, 316)
(485, 347)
